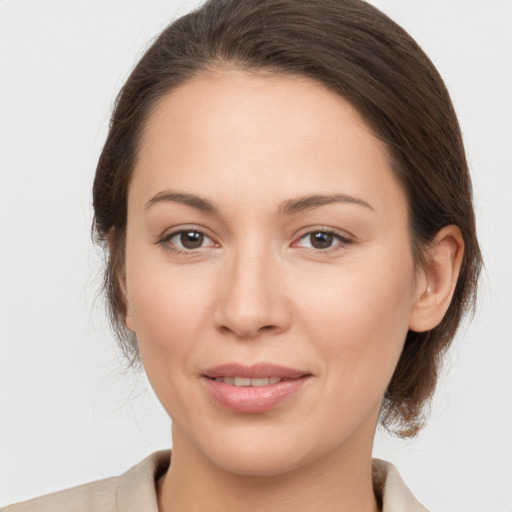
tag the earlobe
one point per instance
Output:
(119, 277)
(128, 321)
(435, 291)
(121, 283)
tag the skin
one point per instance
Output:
(256, 290)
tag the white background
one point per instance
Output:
(69, 413)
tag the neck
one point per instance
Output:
(333, 483)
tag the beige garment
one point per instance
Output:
(134, 491)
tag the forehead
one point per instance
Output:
(232, 130)
(251, 103)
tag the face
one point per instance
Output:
(269, 272)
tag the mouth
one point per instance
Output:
(253, 389)
(245, 381)
(255, 372)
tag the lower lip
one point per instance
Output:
(253, 399)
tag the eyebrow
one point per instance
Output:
(287, 208)
(314, 201)
(191, 200)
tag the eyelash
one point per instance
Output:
(343, 241)
(166, 240)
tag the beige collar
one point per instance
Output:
(137, 486)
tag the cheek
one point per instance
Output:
(359, 321)
(168, 310)
(359, 315)
(168, 307)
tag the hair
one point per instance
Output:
(359, 53)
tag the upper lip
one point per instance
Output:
(254, 371)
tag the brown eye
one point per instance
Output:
(191, 239)
(322, 240)
(188, 240)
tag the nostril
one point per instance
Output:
(248, 332)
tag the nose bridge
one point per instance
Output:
(251, 299)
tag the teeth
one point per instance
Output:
(244, 381)
(259, 382)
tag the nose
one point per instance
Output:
(251, 298)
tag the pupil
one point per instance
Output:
(321, 240)
(192, 239)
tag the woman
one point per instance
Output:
(287, 209)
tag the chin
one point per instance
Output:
(254, 452)
(259, 464)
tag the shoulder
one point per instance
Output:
(132, 490)
(100, 495)
(392, 490)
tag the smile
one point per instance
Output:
(245, 381)
(255, 388)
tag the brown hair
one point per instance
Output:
(358, 52)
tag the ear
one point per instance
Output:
(438, 279)
(119, 276)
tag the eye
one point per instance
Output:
(188, 240)
(322, 240)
